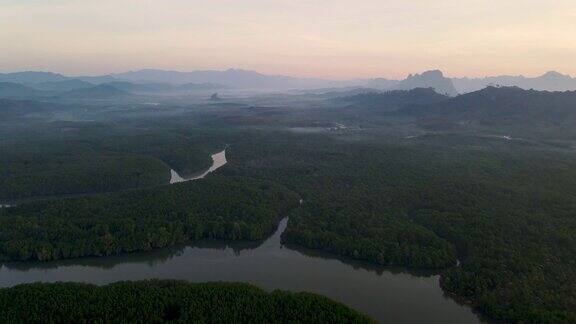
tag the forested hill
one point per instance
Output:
(167, 301)
(98, 92)
(12, 108)
(502, 105)
(393, 100)
(430, 79)
(16, 90)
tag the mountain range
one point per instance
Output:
(102, 91)
(150, 81)
(234, 78)
(503, 106)
(430, 79)
(492, 110)
(550, 81)
(394, 99)
(32, 77)
(12, 89)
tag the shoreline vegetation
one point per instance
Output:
(161, 301)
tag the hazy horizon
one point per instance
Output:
(448, 75)
(337, 39)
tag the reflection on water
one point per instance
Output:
(356, 264)
(388, 295)
(218, 160)
(151, 258)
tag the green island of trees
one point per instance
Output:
(159, 301)
(140, 220)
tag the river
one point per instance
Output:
(218, 160)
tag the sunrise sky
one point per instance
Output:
(338, 39)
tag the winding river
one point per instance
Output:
(388, 295)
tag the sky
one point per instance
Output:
(335, 39)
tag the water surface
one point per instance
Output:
(218, 160)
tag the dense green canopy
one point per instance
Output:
(479, 187)
(213, 208)
(167, 301)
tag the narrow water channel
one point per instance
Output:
(218, 160)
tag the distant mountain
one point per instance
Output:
(30, 77)
(395, 99)
(504, 105)
(164, 88)
(430, 79)
(141, 87)
(375, 83)
(102, 91)
(381, 83)
(65, 85)
(241, 79)
(16, 90)
(209, 79)
(10, 108)
(336, 92)
(155, 81)
(202, 86)
(550, 81)
(98, 79)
